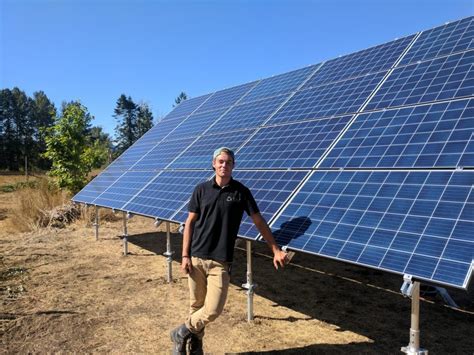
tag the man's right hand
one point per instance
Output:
(186, 265)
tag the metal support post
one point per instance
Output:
(249, 286)
(125, 234)
(96, 223)
(169, 253)
(412, 289)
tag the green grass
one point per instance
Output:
(17, 186)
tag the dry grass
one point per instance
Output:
(87, 215)
(63, 292)
(34, 205)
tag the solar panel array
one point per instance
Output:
(367, 158)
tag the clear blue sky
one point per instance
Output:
(93, 51)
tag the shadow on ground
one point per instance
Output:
(356, 299)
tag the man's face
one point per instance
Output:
(223, 164)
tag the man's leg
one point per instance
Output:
(217, 286)
(197, 293)
(197, 282)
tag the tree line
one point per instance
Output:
(34, 134)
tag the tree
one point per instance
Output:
(67, 147)
(181, 97)
(100, 145)
(43, 113)
(7, 129)
(125, 113)
(144, 119)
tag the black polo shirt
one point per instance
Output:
(220, 212)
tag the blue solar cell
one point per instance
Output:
(199, 154)
(280, 84)
(443, 40)
(270, 189)
(123, 189)
(186, 107)
(226, 98)
(248, 115)
(399, 236)
(327, 100)
(98, 185)
(146, 143)
(420, 136)
(378, 58)
(166, 194)
(438, 79)
(197, 123)
(297, 145)
(163, 154)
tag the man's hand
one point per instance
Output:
(186, 265)
(280, 258)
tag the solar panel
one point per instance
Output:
(295, 145)
(271, 189)
(435, 135)
(367, 158)
(443, 40)
(248, 115)
(197, 123)
(226, 98)
(123, 189)
(280, 84)
(400, 221)
(166, 194)
(186, 107)
(98, 185)
(199, 154)
(438, 79)
(162, 155)
(338, 98)
(375, 59)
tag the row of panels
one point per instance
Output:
(427, 136)
(432, 54)
(407, 222)
(416, 222)
(402, 105)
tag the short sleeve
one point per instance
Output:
(250, 204)
(194, 202)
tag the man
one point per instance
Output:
(215, 213)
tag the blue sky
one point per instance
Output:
(94, 51)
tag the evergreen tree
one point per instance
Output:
(7, 129)
(42, 116)
(125, 113)
(68, 147)
(144, 119)
(181, 97)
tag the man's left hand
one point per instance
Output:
(280, 258)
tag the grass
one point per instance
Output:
(34, 203)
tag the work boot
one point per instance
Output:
(195, 343)
(179, 337)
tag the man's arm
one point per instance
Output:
(279, 256)
(186, 264)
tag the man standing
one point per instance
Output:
(215, 213)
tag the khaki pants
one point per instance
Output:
(208, 286)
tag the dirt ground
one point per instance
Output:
(63, 291)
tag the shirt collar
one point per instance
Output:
(214, 183)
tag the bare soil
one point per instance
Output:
(63, 291)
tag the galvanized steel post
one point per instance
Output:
(96, 223)
(125, 234)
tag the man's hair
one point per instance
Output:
(224, 150)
